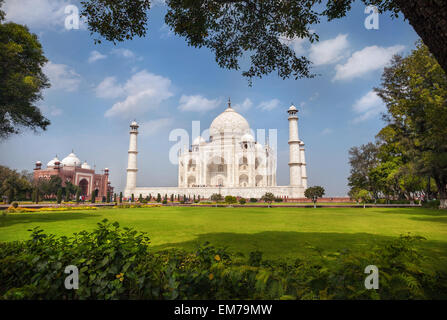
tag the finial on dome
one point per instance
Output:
(229, 102)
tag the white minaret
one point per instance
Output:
(131, 182)
(294, 148)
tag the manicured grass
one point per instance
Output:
(278, 232)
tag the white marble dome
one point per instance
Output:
(85, 165)
(198, 141)
(71, 161)
(247, 138)
(293, 108)
(53, 162)
(229, 121)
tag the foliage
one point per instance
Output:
(117, 263)
(216, 197)
(59, 196)
(21, 79)
(414, 90)
(242, 201)
(158, 198)
(260, 32)
(268, 197)
(14, 185)
(93, 197)
(253, 200)
(313, 193)
(230, 199)
(279, 200)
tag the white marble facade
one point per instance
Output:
(232, 162)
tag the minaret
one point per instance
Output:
(294, 148)
(131, 182)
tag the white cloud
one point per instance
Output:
(244, 106)
(143, 91)
(269, 105)
(125, 53)
(329, 51)
(109, 89)
(366, 60)
(368, 106)
(95, 56)
(50, 110)
(297, 44)
(197, 103)
(62, 76)
(151, 127)
(37, 13)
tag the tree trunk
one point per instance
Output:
(429, 20)
(443, 197)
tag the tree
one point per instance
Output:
(92, 200)
(361, 195)
(121, 197)
(172, 197)
(314, 193)
(108, 197)
(78, 195)
(230, 199)
(132, 198)
(21, 79)
(14, 185)
(59, 196)
(140, 198)
(260, 29)
(414, 90)
(268, 197)
(362, 160)
(158, 198)
(216, 197)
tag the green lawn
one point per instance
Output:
(278, 232)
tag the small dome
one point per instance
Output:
(198, 141)
(71, 161)
(38, 162)
(134, 124)
(52, 163)
(86, 166)
(247, 138)
(293, 108)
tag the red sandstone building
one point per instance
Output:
(71, 170)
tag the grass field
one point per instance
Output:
(277, 232)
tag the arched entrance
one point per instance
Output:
(83, 184)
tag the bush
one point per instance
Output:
(278, 199)
(432, 204)
(242, 201)
(165, 201)
(253, 200)
(116, 263)
(15, 205)
(230, 199)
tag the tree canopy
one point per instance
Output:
(256, 29)
(21, 79)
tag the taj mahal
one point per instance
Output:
(231, 162)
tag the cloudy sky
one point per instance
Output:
(97, 90)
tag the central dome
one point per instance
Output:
(71, 161)
(229, 122)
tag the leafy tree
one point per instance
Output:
(59, 196)
(361, 195)
(216, 197)
(362, 160)
(230, 199)
(414, 90)
(78, 195)
(268, 197)
(158, 197)
(256, 30)
(121, 197)
(132, 198)
(14, 185)
(108, 197)
(242, 201)
(140, 198)
(93, 199)
(172, 197)
(21, 79)
(314, 193)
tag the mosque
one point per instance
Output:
(231, 162)
(71, 169)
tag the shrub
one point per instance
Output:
(253, 200)
(432, 204)
(116, 263)
(158, 197)
(242, 201)
(216, 197)
(230, 199)
(59, 196)
(165, 201)
(278, 199)
(15, 205)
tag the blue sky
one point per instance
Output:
(164, 84)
